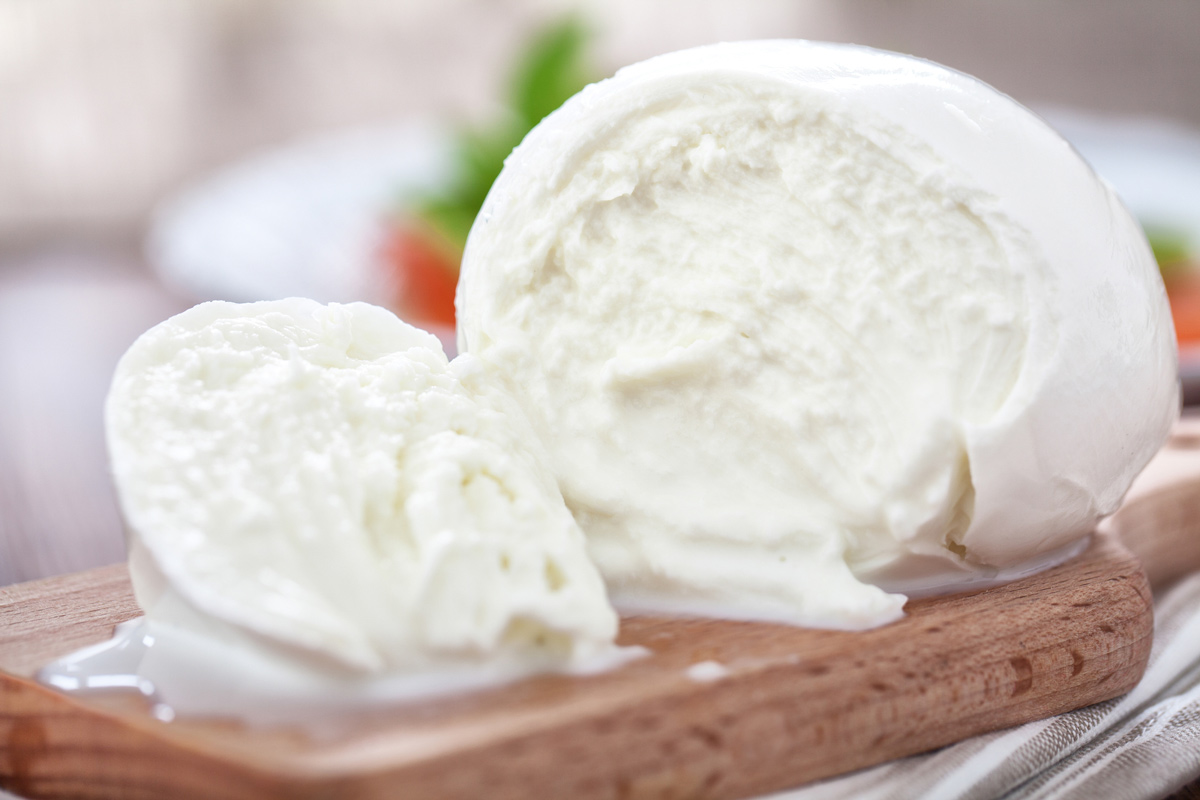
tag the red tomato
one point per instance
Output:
(425, 274)
(1183, 291)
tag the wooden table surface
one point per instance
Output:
(66, 315)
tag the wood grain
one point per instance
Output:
(66, 316)
(49, 618)
(796, 704)
(1159, 520)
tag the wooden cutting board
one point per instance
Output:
(793, 706)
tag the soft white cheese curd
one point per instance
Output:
(316, 489)
(797, 321)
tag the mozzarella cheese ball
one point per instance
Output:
(797, 321)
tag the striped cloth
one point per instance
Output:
(1141, 746)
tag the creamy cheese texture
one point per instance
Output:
(319, 483)
(797, 321)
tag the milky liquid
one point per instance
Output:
(181, 673)
(930, 576)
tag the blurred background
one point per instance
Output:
(154, 153)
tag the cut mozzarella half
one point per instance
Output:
(320, 481)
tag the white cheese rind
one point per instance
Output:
(776, 308)
(319, 481)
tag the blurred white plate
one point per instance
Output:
(306, 219)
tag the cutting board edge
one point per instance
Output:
(686, 769)
(244, 778)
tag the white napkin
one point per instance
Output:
(1141, 746)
